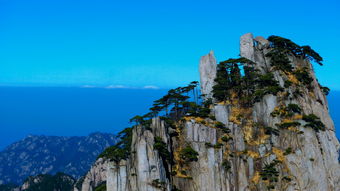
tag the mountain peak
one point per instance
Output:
(263, 124)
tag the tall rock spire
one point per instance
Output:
(207, 69)
(247, 46)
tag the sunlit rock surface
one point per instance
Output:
(304, 158)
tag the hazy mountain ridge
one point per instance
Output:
(57, 182)
(51, 154)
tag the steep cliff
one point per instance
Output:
(94, 178)
(267, 127)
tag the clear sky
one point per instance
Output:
(143, 43)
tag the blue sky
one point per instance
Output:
(142, 43)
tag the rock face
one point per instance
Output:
(51, 154)
(145, 166)
(246, 46)
(207, 69)
(255, 150)
(94, 177)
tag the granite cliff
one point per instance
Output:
(262, 124)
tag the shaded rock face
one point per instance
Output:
(247, 157)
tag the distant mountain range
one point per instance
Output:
(57, 182)
(35, 155)
(43, 182)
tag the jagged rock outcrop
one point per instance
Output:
(207, 69)
(94, 177)
(246, 46)
(284, 140)
(145, 165)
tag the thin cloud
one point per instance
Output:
(88, 86)
(150, 87)
(116, 87)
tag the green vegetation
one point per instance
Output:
(195, 110)
(101, 187)
(228, 77)
(250, 87)
(226, 130)
(286, 111)
(303, 76)
(267, 130)
(314, 122)
(270, 173)
(162, 149)
(288, 151)
(175, 189)
(281, 48)
(174, 105)
(177, 101)
(288, 83)
(169, 122)
(293, 108)
(59, 181)
(122, 149)
(226, 164)
(216, 146)
(220, 125)
(220, 89)
(158, 184)
(285, 46)
(286, 178)
(170, 108)
(266, 85)
(309, 53)
(279, 60)
(188, 154)
(271, 131)
(325, 89)
(226, 138)
(285, 125)
(144, 120)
